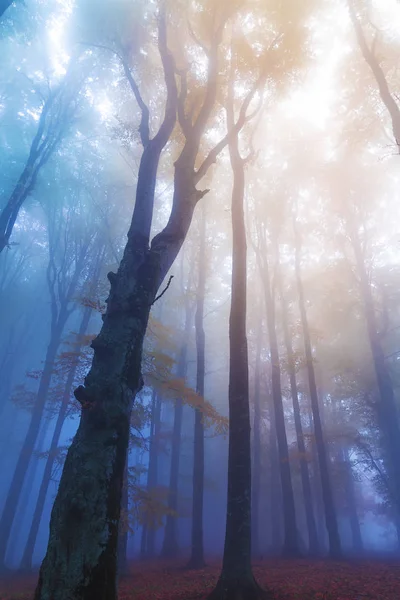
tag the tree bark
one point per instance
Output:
(335, 549)
(313, 545)
(196, 560)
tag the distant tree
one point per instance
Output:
(72, 367)
(56, 116)
(69, 256)
(196, 560)
(305, 476)
(335, 548)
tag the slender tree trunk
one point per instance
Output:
(335, 549)
(290, 541)
(275, 492)
(17, 482)
(170, 546)
(196, 560)
(26, 492)
(26, 562)
(123, 534)
(387, 408)
(313, 545)
(256, 480)
(149, 530)
(237, 581)
(144, 533)
(358, 546)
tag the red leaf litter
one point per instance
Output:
(287, 579)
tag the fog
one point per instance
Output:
(199, 242)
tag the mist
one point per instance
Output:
(200, 300)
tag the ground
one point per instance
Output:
(289, 580)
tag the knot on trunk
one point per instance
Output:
(83, 397)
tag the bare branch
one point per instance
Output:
(163, 292)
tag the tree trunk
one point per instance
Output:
(17, 482)
(256, 479)
(26, 562)
(358, 546)
(236, 581)
(335, 549)
(149, 529)
(123, 533)
(275, 492)
(196, 560)
(290, 541)
(170, 547)
(387, 415)
(81, 558)
(313, 545)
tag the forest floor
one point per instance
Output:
(287, 579)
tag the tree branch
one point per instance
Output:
(163, 292)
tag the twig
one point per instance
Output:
(163, 292)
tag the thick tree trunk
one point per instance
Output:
(196, 560)
(290, 541)
(335, 549)
(26, 562)
(81, 558)
(313, 545)
(256, 479)
(236, 581)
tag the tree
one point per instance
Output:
(335, 549)
(68, 256)
(305, 476)
(369, 53)
(170, 543)
(83, 538)
(56, 117)
(26, 562)
(196, 560)
(290, 543)
(236, 579)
